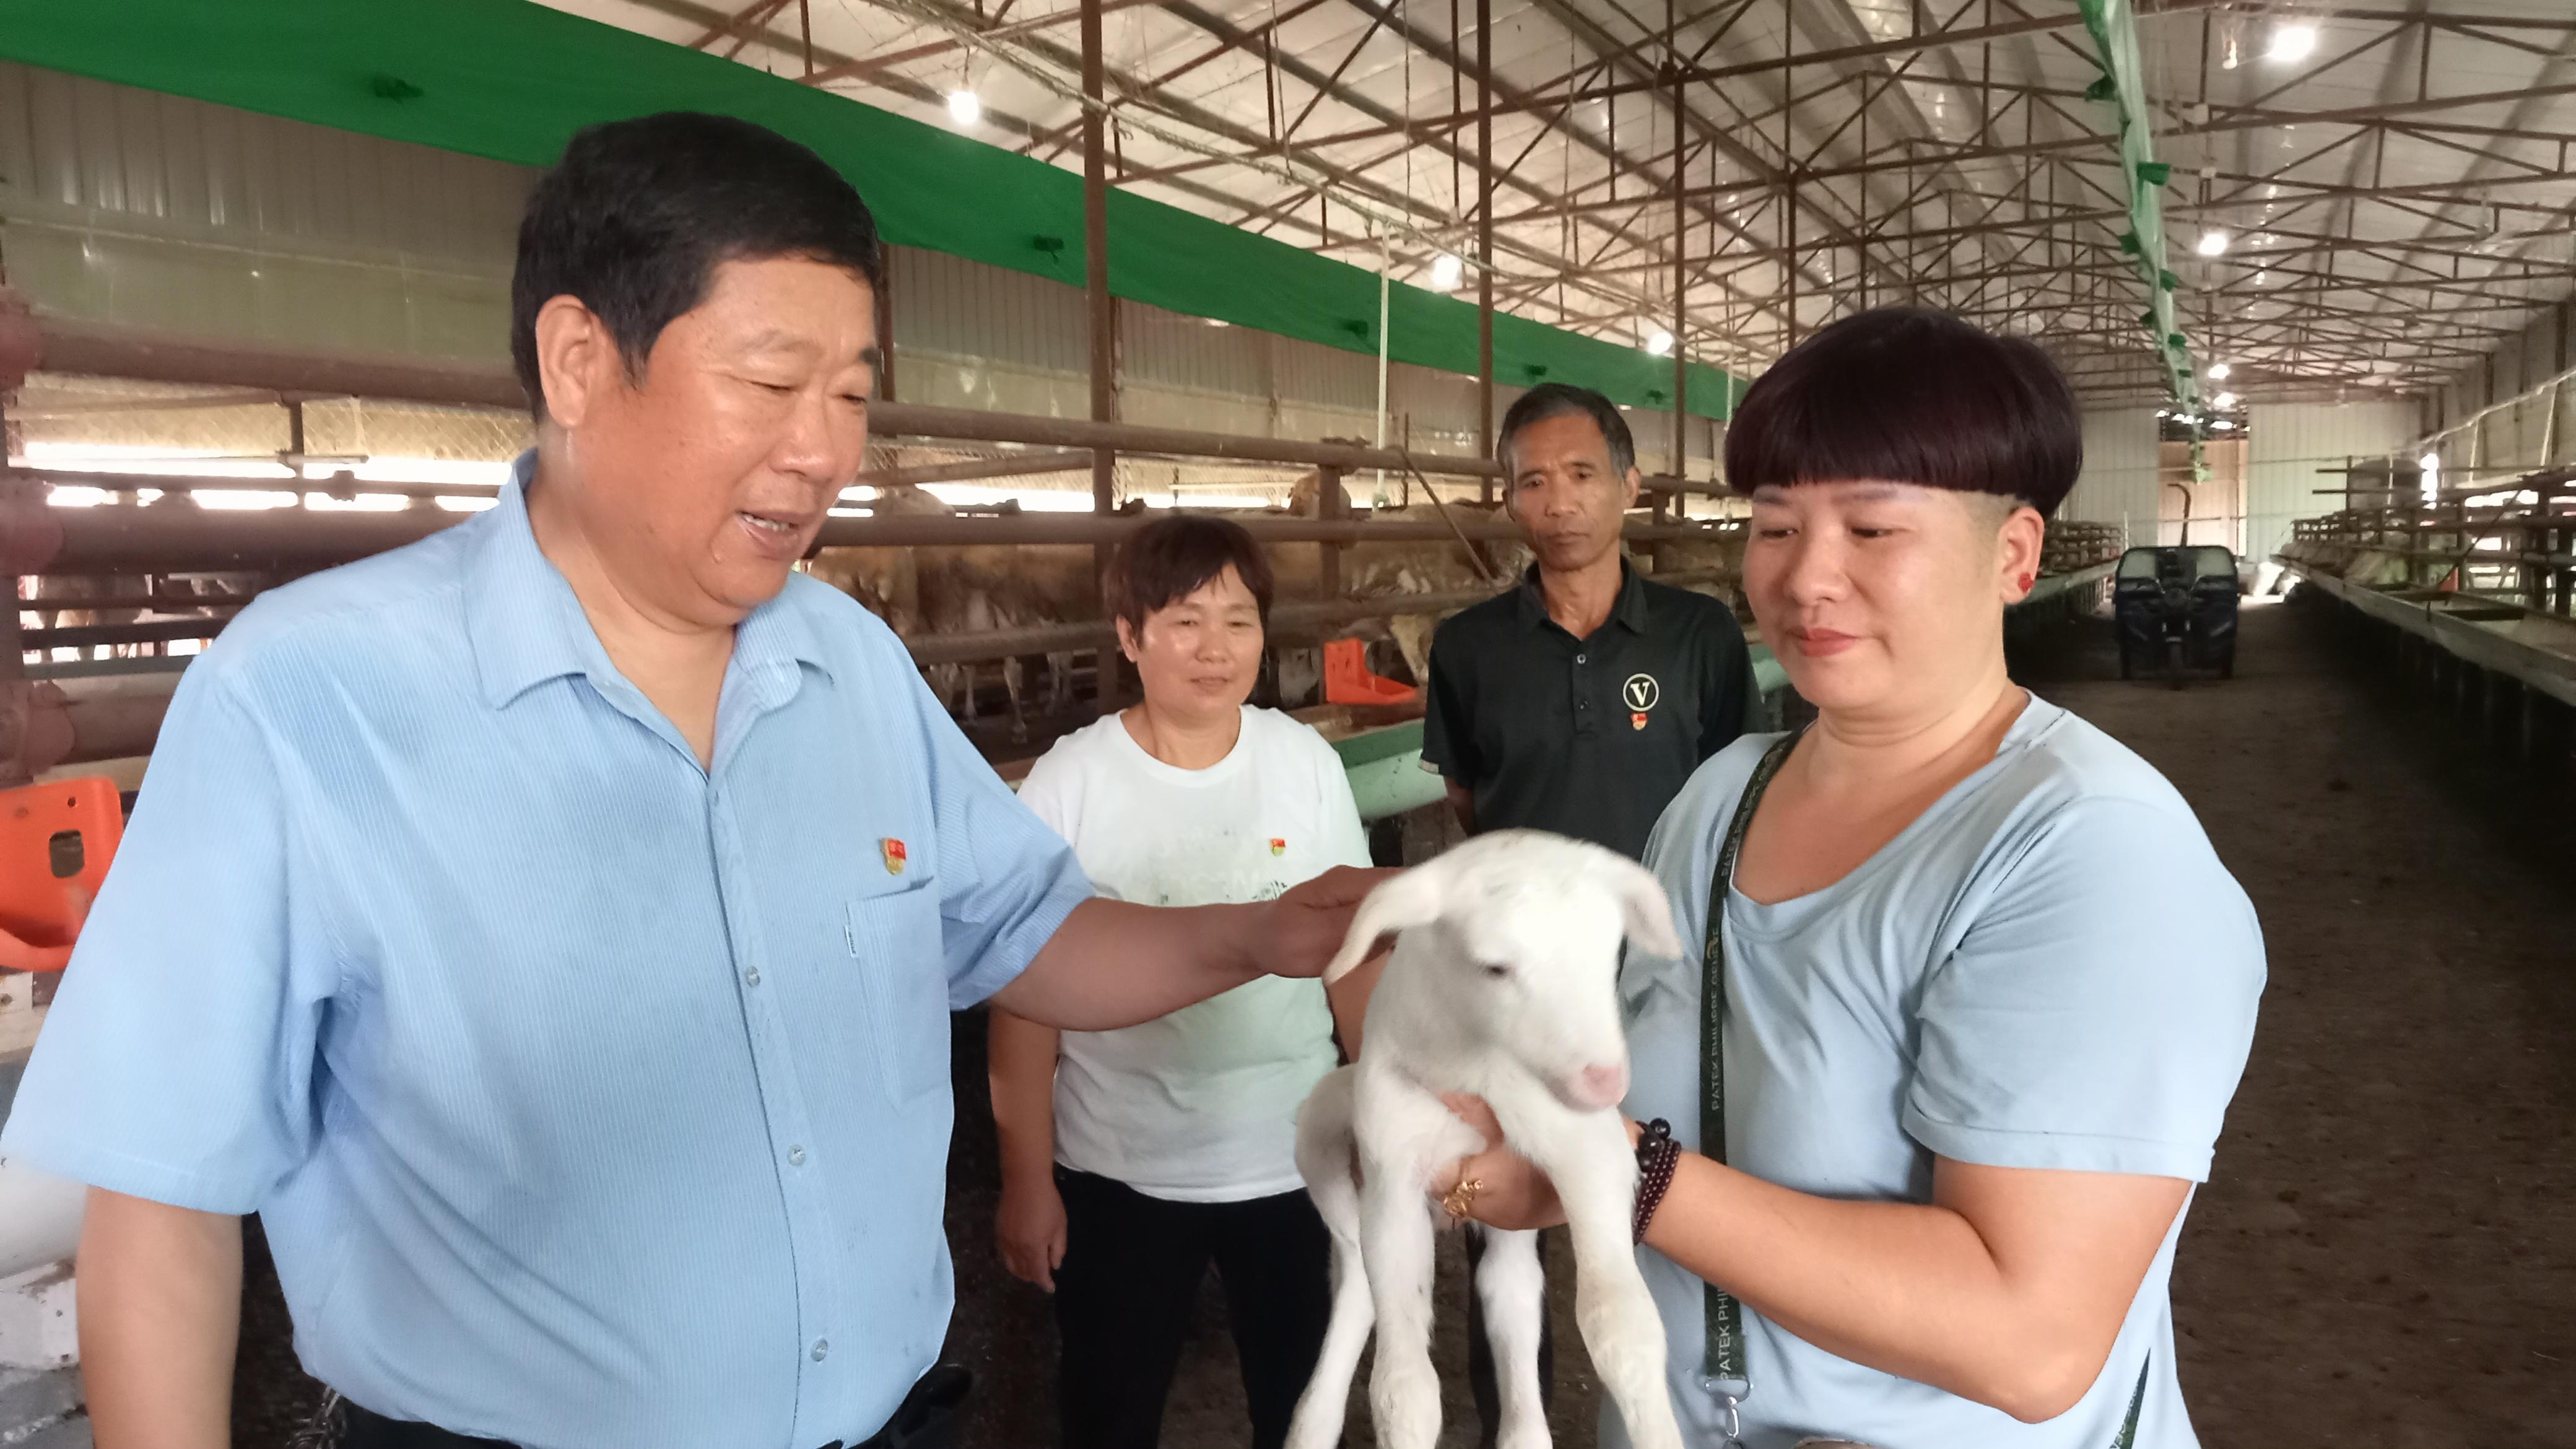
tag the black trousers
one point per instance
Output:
(1132, 1267)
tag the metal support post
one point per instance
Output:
(1103, 310)
(1485, 243)
(885, 332)
(1330, 505)
(19, 349)
(1681, 273)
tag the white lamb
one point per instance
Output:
(1502, 985)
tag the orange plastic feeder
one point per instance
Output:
(1347, 679)
(55, 844)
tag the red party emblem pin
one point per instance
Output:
(894, 855)
(1278, 846)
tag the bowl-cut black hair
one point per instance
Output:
(636, 216)
(1910, 395)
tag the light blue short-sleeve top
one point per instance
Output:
(2050, 968)
(588, 1097)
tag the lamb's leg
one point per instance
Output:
(1395, 1247)
(1324, 1157)
(1588, 1158)
(1402, 1130)
(1512, 1286)
(1014, 683)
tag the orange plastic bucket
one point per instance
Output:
(55, 844)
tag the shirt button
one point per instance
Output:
(822, 1347)
(796, 1158)
(751, 977)
(1582, 658)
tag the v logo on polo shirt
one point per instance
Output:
(1641, 692)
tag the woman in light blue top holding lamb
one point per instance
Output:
(1940, 1084)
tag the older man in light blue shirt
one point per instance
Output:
(550, 928)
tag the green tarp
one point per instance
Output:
(512, 80)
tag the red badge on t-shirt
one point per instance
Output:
(1637, 720)
(893, 851)
(1278, 846)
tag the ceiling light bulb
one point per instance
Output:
(2212, 244)
(2218, 371)
(1446, 270)
(2292, 43)
(1659, 342)
(2224, 401)
(965, 107)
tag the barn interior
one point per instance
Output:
(2309, 265)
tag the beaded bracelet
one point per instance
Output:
(1657, 1154)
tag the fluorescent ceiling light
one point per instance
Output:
(2212, 244)
(1446, 271)
(965, 107)
(2218, 371)
(2223, 401)
(2292, 43)
(1659, 342)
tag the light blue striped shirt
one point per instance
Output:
(588, 1098)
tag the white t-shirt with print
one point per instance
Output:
(1200, 1105)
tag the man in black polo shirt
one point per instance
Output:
(1582, 700)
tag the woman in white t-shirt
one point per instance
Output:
(1133, 1159)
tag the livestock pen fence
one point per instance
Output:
(140, 547)
(178, 572)
(2467, 589)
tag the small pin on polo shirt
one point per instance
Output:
(893, 851)
(1278, 846)
(1636, 719)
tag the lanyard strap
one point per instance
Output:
(1724, 1360)
(1722, 1366)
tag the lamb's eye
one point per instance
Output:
(1497, 970)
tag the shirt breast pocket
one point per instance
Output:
(894, 942)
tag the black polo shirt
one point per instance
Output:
(1586, 737)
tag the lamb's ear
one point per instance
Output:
(1647, 911)
(1411, 899)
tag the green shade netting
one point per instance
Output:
(512, 80)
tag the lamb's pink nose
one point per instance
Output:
(1601, 1085)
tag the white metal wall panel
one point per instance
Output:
(2522, 436)
(2288, 443)
(2118, 484)
(129, 206)
(72, 142)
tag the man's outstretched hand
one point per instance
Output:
(1301, 930)
(1114, 963)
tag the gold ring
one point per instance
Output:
(1460, 1201)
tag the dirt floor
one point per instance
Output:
(2386, 1252)
(2386, 1255)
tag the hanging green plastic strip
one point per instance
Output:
(2113, 25)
